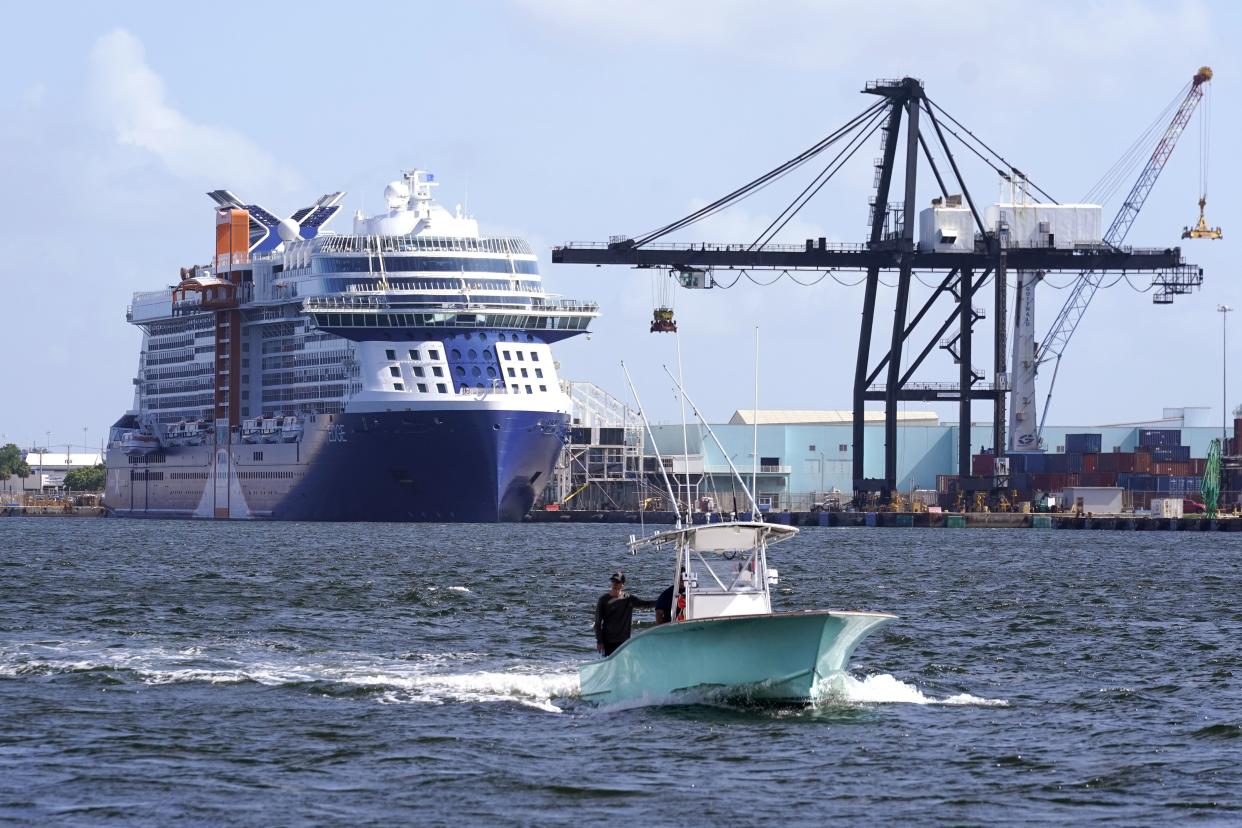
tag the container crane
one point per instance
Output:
(964, 267)
(1170, 284)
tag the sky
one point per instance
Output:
(572, 120)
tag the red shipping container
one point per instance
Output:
(1142, 463)
(1198, 467)
(983, 465)
(1107, 462)
(1090, 462)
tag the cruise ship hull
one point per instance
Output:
(480, 466)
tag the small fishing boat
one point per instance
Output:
(725, 640)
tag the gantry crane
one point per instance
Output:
(964, 270)
(1053, 345)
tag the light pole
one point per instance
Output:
(1224, 377)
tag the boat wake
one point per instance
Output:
(882, 688)
(413, 678)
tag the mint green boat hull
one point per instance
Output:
(775, 658)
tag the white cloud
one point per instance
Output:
(1052, 49)
(128, 97)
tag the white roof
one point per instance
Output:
(59, 459)
(745, 416)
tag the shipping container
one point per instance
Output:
(1142, 462)
(1166, 507)
(983, 465)
(1151, 437)
(1098, 478)
(1091, 462)
(1083, 443)
(1167, 453)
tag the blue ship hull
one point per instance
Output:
(429, 466)
(480, 466)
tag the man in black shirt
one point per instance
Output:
(614, 614)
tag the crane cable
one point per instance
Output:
(764, 180)
(811, 190)
(1136, 153)
(1205, 127)
(995, 154)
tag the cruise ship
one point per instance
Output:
(402, 372)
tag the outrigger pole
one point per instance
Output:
(643, 416)
(754, 507)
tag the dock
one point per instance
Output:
(926, 520)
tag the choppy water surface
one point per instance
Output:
(371, 674)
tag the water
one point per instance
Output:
(374, 674)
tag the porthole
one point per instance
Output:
(487, 353)
(472, 354)
(475, 372)
(461, 372)
(456, 354)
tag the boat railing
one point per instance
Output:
(415, 243)
(703, 247)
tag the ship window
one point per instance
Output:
(414, 355)
(520, 356)
(397, 386)
(491, 372)
(515, 389)
(258, 455)
(461, 371)
(456, 354)
(543, 388)
(418, 371)
(524, 372)
(487, 354)
(512, 372)
(505, 354)
(475, 372)
(482, 335)
(442, 388)
(394, 370)
(390, 354)
(539, 373)
(433, 354)
(528, 391)
(472, 353)
(422, 386)
(437, 370)
(534, 357)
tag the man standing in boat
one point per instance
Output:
(614, 614)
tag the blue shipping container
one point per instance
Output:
(1083, 443)
(1152, 437)
(1167, 454)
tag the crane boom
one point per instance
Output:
(1062, 330)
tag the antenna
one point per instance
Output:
(754, 507)
(754, 454)
(654, 447)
